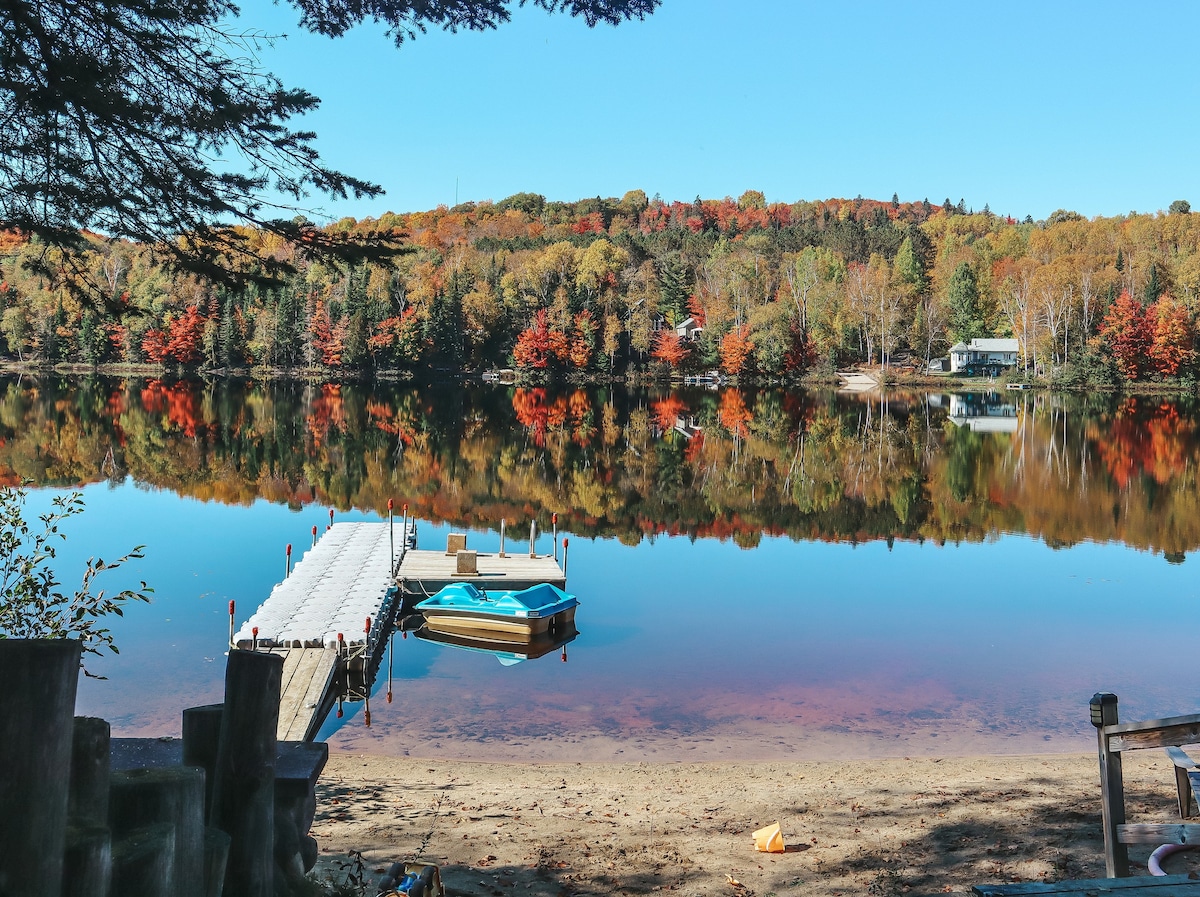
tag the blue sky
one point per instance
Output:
(1028, 107)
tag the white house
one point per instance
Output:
(983, 356)
(689, 329)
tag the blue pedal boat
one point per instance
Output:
(520, 615)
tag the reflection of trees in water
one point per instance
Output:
(734, 464)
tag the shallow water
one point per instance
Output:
(690, 646)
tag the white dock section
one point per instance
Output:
(346, 577)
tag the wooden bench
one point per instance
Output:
(1113, 738)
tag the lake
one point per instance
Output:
(761, 574)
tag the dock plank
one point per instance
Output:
(423, 572)
(300, 702)
(316, 698)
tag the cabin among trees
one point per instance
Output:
(984, 356)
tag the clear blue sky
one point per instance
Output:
(1027, 106)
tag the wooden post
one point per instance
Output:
(1112, 787)
(90, 762)
(216, 855)
(40, 677)
(143, 862)
(172, 795)
(201, 735)
(244, 789)
(87, 861)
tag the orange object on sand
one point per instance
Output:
(769, 839)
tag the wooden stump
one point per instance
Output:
(244, 786)
(87, 863)
(144, 862)
(201, 736)
(89, 771)
(173, 795)
(40, 677)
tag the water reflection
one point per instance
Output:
(729, 464)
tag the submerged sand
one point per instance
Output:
(882, 827)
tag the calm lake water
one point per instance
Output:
(761, 575)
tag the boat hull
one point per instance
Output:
(513, 628)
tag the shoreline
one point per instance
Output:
(885, 827)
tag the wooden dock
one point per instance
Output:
(422, 573)
(306, 692)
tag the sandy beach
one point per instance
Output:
(882, 827)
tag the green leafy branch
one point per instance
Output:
(32, 603)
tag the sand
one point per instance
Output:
(880, 827)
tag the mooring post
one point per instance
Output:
(314, 536)
(331, 518)
(532, 538)
(231, 624)
(287, 570)
(501, 537)
(564, 559)
(404, 525)
(391, 538)
(554, 534)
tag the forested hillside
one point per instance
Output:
(597, 287)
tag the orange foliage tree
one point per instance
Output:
(669, 347)
(736, 347)
(1171, 339)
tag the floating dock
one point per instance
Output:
(422, 573)
(331, 616)
(331, 613)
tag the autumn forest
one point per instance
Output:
(606, 288)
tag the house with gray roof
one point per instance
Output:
(983, 356)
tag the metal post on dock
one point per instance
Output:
(501, 537)
(254, 634)
(331, 518)
(391, 536)
(554, 534)
(404, 526)
(564, 559)
(532, 538)
(231, 605)
(287, 570)
(314, 536)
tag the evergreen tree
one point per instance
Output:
(1153, 288)
(966, 319)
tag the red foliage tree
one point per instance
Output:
(539, 344)
(695, 308)
(1125, 330)
(326, 339)
(185, 336)
(154, 345)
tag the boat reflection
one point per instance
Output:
(506, 651)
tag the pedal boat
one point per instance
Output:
(519, 616)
